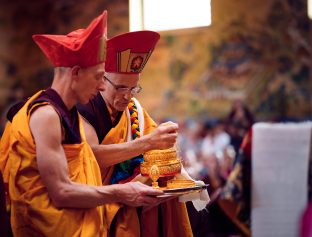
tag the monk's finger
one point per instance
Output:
(152, 192)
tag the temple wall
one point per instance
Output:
(254, 51)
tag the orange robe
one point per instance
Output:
(32, 211)
(169, 219)
(4, 164)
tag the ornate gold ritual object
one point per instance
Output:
(164, 163)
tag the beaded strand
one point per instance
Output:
(135, 127)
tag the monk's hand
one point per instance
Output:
(164, 136)
(137, 194)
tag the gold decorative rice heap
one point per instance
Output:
(180, 183)
(161, 163)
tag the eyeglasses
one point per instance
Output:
(121, 89)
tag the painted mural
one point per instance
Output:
(263, 62)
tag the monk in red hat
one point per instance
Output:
(124, 130)
(55, 183)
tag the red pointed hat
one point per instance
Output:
(129, 52)
(82, 47)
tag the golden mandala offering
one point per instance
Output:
(166, 161)
(160, 163)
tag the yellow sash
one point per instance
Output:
(32, 211)
(124, 220)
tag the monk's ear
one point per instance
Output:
(75, 71)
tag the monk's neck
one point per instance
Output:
(62, 81)
(67, 98)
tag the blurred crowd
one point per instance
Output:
(213, 151)
(209, 148)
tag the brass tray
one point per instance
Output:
(182, 191)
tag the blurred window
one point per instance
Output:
(159, 15)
